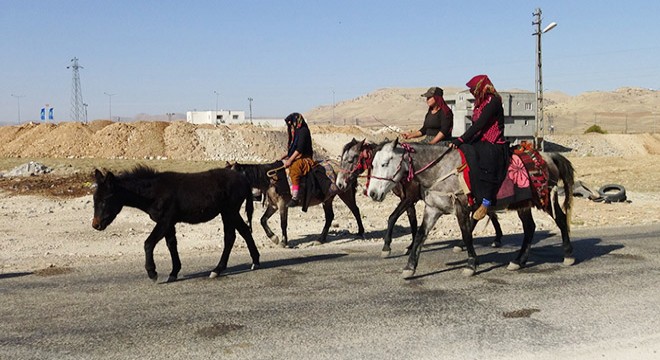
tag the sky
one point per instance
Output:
(158, 57)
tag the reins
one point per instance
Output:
(272, 172)
(408, 151)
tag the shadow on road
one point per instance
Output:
(583, 249)
(272, 264)
(13, 275)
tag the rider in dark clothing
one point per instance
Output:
(439, 119)
(299, 156)
(487, 136)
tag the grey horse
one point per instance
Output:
(442, 194)
(356, 158)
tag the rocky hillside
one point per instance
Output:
(626, 110)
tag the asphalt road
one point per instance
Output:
(342, 301)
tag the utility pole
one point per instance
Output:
(18, 100)
(250, 100)
(539, 132)
(110, 103)
(77, 108)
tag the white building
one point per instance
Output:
(226, 117)
(216, 117)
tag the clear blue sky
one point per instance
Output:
(170, 56)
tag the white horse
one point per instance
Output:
(435, 168)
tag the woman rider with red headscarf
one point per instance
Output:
(299, 156)
(439, 120)
(486, 135)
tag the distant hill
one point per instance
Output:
(626, 109)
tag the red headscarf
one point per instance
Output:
(480, 86)
(440, 103)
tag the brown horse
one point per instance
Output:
(277, 195)
(356, 158)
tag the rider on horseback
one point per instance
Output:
(298, 158)
(439, 119)
(486, 135)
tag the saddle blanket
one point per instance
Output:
(515, 187)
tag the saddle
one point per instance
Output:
(526, 178)
(319, 184)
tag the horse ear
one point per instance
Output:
(98, 175)
(396, 142)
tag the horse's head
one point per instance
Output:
(389, 166)
(352, 163)
(107, 203)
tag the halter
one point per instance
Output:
(363, 163)
(408, 151)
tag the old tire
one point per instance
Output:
(613, 193)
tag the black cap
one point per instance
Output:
(433, 91)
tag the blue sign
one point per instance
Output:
(43, 113)
(50, 114)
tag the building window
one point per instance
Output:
(218, 117)
(528, 106)
(235, 117)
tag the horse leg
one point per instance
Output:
(467, 224)
(561, 220)
(329, 216)
(230, 237)
(529, 227)
(497, 242)
(391, 222)
(157, 233)
(270, 210)
(348, 197)
(170, 239)
(412, 219)
(245, 232)
(284, 215)
(430, 217)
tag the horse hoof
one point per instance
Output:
(569, 261)
(213, 275)
(385, 253)
(255, 267)
(171, 279)
(513, 266)
(468, 272)
(457, 249)
(496, 244)
(407, 274)
(275, 239)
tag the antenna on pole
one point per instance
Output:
(77, 105)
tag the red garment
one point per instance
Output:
(483, 91)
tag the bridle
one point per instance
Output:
(408, 151)
(363, 163)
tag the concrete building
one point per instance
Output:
(215, 117)
(519, 113)
(227, 117)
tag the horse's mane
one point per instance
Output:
(349, 145)
(139, 171)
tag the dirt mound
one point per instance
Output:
(165, 140)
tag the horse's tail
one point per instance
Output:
(567, 176)
(249, 207)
